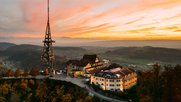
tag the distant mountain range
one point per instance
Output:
(5, 45)
(28, 56)
(169, 55)
(64, 41)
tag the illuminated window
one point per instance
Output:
(111, 80)
(111, 85)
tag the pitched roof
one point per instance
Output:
(115, 72)
(89, 58)
(84, 61)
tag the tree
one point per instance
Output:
(14, 98)
(67, 98)
(171, 84)
(9, 73)
(32, 82)
(2, 99)
(25, 73)
(42, 92)
(80, 100)
(34, 72)
(60, 91)
(5, 89)
(167, 80)
(156, 83)
(17, 73)
(24, 84)
(149, 85)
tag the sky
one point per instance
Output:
(91, 19)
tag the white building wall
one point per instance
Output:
(115, 84)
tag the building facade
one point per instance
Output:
(115, 79)
(85, 66)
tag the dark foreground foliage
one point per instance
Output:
(162, 84)
(34, 90)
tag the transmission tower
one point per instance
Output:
(47, 56)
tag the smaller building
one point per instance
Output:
(84, 66)
(115, 79)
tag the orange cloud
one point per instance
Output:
(102, 19)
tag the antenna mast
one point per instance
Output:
(47, 56)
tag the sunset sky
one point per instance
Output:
(92, 19)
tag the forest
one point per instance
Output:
(162, 84)
(44, 90)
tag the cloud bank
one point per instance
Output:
(97, 19)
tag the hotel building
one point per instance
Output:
(115, 79)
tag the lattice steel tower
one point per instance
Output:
(47, 56)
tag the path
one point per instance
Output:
(81, 82)
(78, 81)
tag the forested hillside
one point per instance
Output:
(28, 56)
(32, 90)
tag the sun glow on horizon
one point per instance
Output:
(103, 19)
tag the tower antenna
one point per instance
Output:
(47, 56)
(48, 10)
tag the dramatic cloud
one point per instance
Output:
(98, 19)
